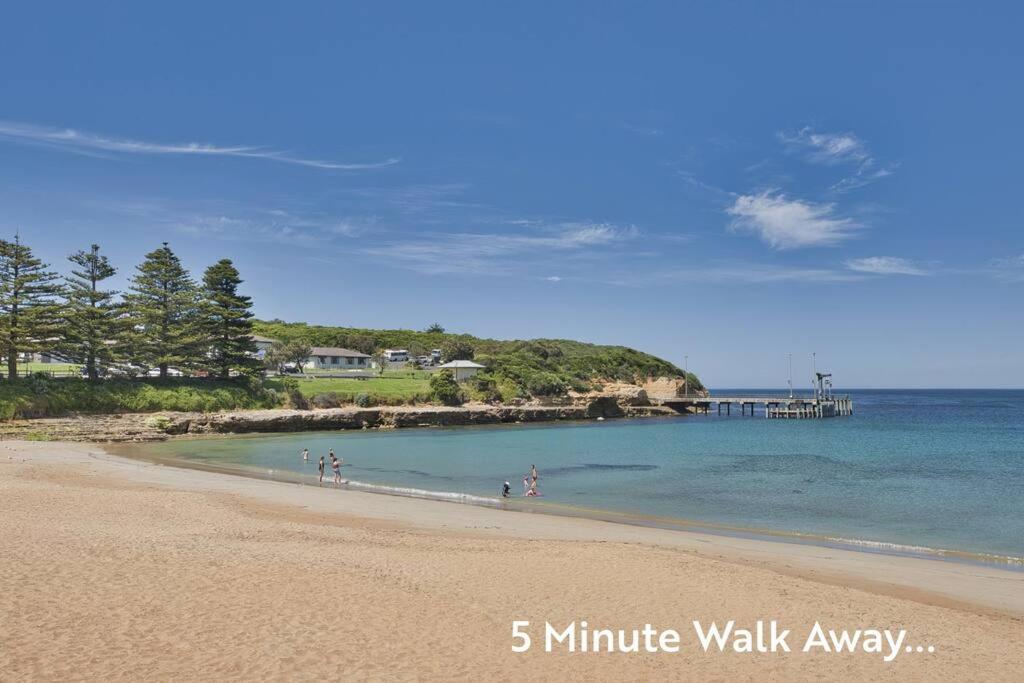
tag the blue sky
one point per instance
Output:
(732, 182)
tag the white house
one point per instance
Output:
(334, 358)
(462, 369)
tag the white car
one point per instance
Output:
(171, 372)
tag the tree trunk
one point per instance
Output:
(12, 362)
(163, 371)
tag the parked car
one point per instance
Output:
(171, 372)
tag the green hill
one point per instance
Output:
(515, 368)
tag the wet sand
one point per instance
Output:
(114, 568)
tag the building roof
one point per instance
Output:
(260, 338)
(335, 351)
(462, 364)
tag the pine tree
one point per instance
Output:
(92, 323)
(227, 322)
(162, 306)
(28, 306)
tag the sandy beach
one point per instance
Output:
(117, 569)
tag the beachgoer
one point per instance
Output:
(506, 490)
(336, 466)
(533, 473)
(533, 489)
(526, 484)
(305, 455)
(321, 468)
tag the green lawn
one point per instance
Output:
(387, 388)
(55, 368)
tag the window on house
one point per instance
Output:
(334, 360)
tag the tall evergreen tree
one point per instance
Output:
(92, 323)
(162, 305)
(28, 306)
(227, 321)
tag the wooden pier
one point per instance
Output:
(821, 404)
(772, 407)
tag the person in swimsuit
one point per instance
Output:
(533, 474)
(336, 466)
(321, 468)
(506, 490)
(305, 455)
(526, 484)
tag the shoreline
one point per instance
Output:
(164, 425)
(564, 510)
(130, 569)
(356, 502)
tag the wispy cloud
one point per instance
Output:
(885, 265)
(790, 223)
(72, 140)
(735, 273)
(553, 278)
(229, 220)
(491, 253)
(648, 131)
(1009, 269)
(835, 149)
(828, 148)
(441, 198)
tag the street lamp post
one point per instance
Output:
(686, 375)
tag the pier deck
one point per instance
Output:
(773, 407)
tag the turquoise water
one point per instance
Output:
(933, 469)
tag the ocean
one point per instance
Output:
(922, 471)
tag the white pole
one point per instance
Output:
(686, 375)
(791, 375)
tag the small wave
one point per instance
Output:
(599, 467)
(450, 496)
(906, 549)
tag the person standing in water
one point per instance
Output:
(336, 466)
(533, 474)
(526, 484)
(305, 455)
(321, 468)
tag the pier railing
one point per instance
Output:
(772, 407)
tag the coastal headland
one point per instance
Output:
(119, 569)
(614, 401)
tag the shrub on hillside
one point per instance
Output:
(444, 388)
(457, 349)
(294, 393)
(51, 397)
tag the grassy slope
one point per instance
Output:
(37, 397)
(383, 389)
(515, 368)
